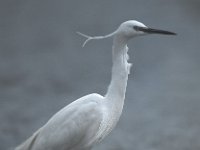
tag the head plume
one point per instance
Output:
(94, 37)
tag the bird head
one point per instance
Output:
(133, 28)
(128, 30)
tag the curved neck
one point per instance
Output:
(120, 70)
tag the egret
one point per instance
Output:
(86, 121)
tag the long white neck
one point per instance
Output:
(114, 98)
(120, 70)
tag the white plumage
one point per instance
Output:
(86, 121)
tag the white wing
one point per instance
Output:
(73, 128)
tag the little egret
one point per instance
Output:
(86, 121)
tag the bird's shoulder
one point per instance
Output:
(86, 103)
(88, 107)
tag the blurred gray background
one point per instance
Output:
(43, 68)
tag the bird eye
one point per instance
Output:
(136, 28)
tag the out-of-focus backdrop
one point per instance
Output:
(43, 68)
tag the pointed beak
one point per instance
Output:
(154, 31)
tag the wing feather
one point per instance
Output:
(72, 128)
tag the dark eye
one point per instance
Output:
(136, 28)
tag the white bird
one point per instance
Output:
(87, 120)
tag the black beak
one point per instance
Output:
(153, 31)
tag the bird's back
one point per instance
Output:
(72, 128)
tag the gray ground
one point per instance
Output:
(43, 68)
